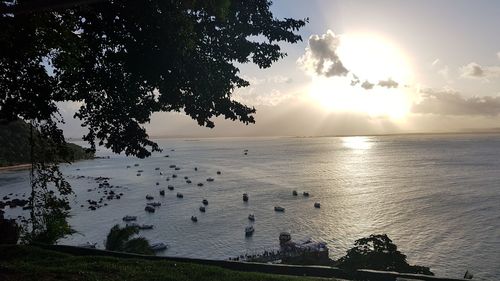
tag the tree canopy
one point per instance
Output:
(378, 252)
(124, 60)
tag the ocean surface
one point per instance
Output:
(436, 196)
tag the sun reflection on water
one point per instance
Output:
(357, 143)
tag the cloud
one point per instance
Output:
(321, 56)
(448, 102)
(367, 85)
(435, 62)
(475, 70)
(276, 79)
(389, 83)
(498, 55)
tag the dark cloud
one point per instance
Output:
(321, 55)
(367, 85)
(475, 70)
(446, 102)
(389, 83)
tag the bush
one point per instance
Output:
(120, 240)
(9, 231)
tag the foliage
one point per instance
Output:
(378, 252)
(122, 65)
(32, 263)
(9, 231)
(120, 240)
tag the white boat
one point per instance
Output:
(202, 209)
(210, 179)
(251, 217)
(159, 246)
(129, 218)
(249, 230)
(88, 245)
(279, 209)
(317, 205)
(145, 226)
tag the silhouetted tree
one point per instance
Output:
(120, 240)
(378, 252)
(122, 61)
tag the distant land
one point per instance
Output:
(15, 147)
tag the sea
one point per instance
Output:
(436, 196)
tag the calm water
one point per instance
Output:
(437, 197)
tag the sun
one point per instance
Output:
(371, 58)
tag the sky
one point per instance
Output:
(368, 67)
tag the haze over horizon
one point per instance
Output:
(382, 67)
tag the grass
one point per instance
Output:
(19, 263)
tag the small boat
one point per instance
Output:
(138, 174)
(218, 173)
(136, 165)
(196, 168)
(157, 168)
(200, 184)
(194, 218)
(161, 173)
(149, 197)
(167, 179)
(246, 153)
(202, 209)
(210, 179)
(174, 175)
(185, 178)
(170, 187)
(179, 195)
(294, 193)
(129, 218)
(177, 168)
(140, 171)
(245, 197)
(166, 155)
(317, 205)
(246, 150)
(149, 209)
(162, 192)
(160, 246)
(128, 166)
(145, 226)
(88, 245)
(154, 204)
(157, 183)
(249, 230)
(171, 166)
(251, 217)
(279, 209)
(188, 181)
(306, 194)
(204, 201)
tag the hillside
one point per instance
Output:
(32, 263)
(15, 144)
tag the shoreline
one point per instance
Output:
(17, 167)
